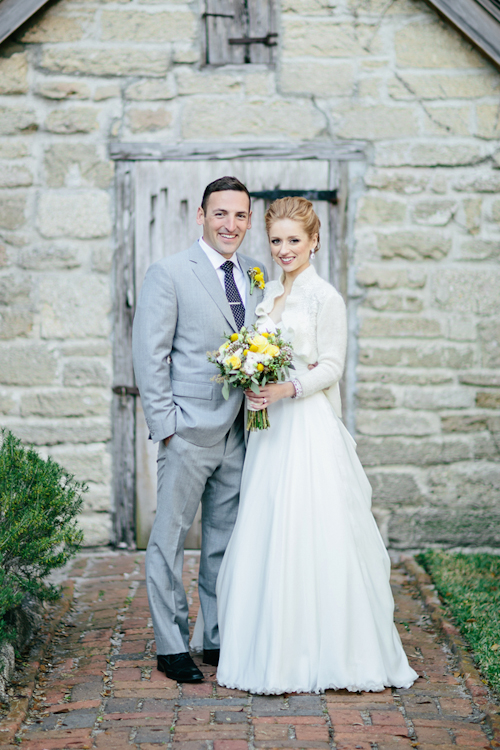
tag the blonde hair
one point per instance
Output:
(297, 209)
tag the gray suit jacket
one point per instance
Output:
(182, 314)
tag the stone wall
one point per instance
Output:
(425, 271)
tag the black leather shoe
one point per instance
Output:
(179, 667)
(211, 656)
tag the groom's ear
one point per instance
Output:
(200, 216)
(249, 220)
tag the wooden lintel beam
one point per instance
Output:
(475, 22)
(13, 13)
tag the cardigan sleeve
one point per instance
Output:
(331, 339)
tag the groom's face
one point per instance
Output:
(225, 221)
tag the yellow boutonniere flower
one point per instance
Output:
(256, 278)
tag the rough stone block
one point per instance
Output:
(115, 61)
(441, 120)
(430, 398)
(90, 463)
(260, 83)
(15, 321)
(437, 213)
(377, 210)
(15, 289)
(460, 327)
(102, 258)
(51, 89)
(467, 291)
(467, 484)
(416, 245)
(60, 431)
(14, 74)
(292, 119)
(143, 120)
(15, 175)
(151, 90)
(471, 210)
(440, 155)
(375, 122)
(48, 258)
(479, 249)
(12, 209)
(11, 149)
(74, 120)
(77, 165)
(65, 308)
(483, 181)
(27, 364)
(397, 422)
(391, 327)
(307, 7)
(391, 278)
(323, 79)
(141, 26)
(434, 45)
(375, 397)
(397, 181)
(488, 399)
(403, 376)
(17, 120)
(482, 378)
(395, 488)
(65, 403)
(97, 499)
(443, 85)
(112, 91)
(53, 26)
(444, 528)
(96, 528)
(326, 38)
(7, 403)
(464, 423)
(206, 82)
(86, 372)
(376, 451)
(424, 355)
(487, 121)
(84, 214)
(393, 302)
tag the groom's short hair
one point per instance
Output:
(223, 183)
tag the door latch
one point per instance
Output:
(268, 40)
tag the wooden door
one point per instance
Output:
(167, 195)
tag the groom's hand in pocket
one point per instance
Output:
(167, 440)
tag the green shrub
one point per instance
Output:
(39, 502)
(469, 586)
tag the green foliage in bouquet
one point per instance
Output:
(250, 359)
(39, 502)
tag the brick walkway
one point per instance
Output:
(101, 689)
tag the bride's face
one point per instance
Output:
(290, 245)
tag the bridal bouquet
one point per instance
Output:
(250, 359)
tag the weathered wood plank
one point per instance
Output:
(261, 22)
(225, 19)
(214, 151)
(481, 27)
(123, 408)
(13, 13)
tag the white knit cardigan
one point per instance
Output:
(315, 322)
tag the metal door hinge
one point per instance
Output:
(267, 40)
(126, 390)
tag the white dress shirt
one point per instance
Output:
(217, 260)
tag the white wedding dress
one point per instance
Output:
(303, 594)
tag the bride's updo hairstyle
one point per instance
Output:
(297, 209)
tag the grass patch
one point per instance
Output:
(469, 585)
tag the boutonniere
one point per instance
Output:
(256, 278)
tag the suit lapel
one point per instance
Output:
(252, 300)
(207, 275)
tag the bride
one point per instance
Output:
(303, 594)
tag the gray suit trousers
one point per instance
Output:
(187, 475)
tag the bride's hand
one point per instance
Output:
(269, 394)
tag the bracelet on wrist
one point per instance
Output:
(298, 388)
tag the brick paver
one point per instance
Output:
(101, 688)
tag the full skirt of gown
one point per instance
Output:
(303, 594)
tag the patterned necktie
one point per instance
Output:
(233, 295)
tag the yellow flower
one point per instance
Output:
(235, 362)
(260, 367)
(266, 334)
(234, 337)
(262, 285)
(260, 342)
(272, 350)
(245, 352)
(257, 270)
(259, 278)
(253, 348)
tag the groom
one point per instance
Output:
(188, 301)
